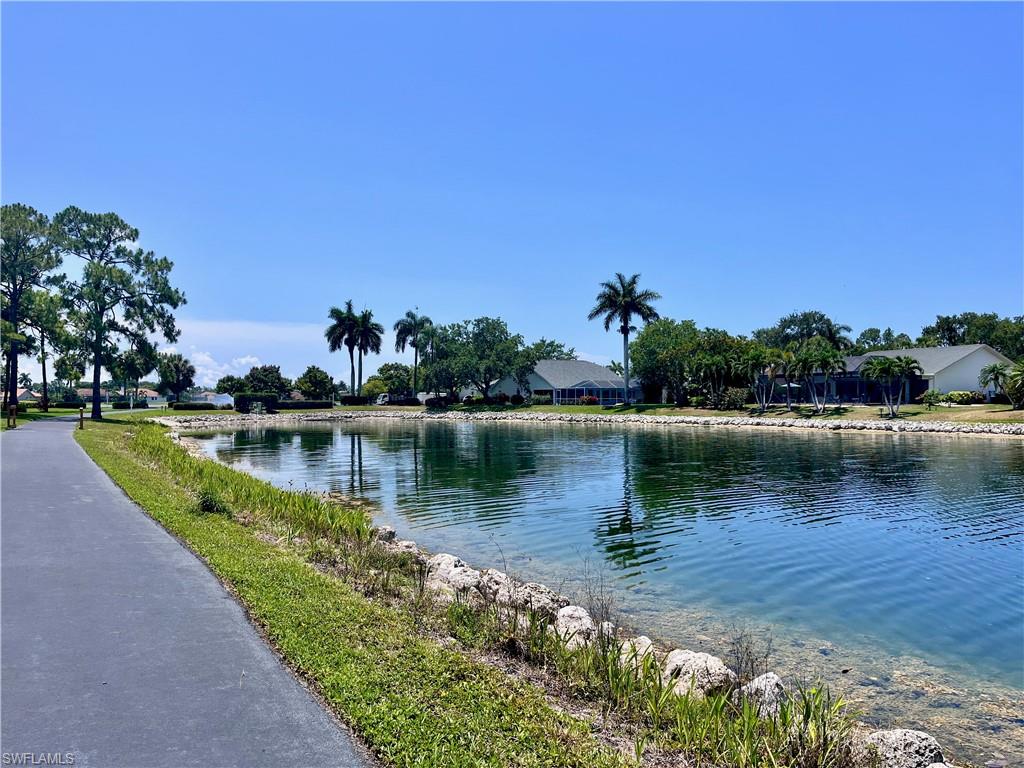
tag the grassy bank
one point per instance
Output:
(415, 702)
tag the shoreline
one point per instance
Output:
(540, 417)
(899, 676)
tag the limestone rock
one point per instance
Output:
(898, 748)
(498, 587)
(449, 575)
(697, 674)
(767, 692)
(634, 650)
(574, 624)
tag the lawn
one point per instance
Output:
(413, 701)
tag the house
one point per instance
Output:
(945, 369)
(28, 396)
(566, 381)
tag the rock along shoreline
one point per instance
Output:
(858, 425)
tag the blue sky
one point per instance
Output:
(748, 160)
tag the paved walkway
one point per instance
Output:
(119, 646)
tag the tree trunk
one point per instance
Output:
(12, 373)
(352, 376)
(96, 352)
(415, 367)
(360, 373)
(7, 379)
(45, 405)
(625, 362)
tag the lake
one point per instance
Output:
(896, 557)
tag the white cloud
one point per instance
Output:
(209, 370)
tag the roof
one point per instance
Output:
(24, 394)
(931, 359)
(569, 374)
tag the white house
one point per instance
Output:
(566, 381)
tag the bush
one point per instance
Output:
(501, 397)
(23, 407)
(932, 398)
(437, 402)
(734, 398)
(698, 401)
(120, 405)
(244, 401)
(68, 404)
(540, 400)
(517, 399)
(961, 397)
(209, 503)
(473, 401)
(589, 400)
(178, 406)
(297, 405)
(225, 407)
(344, 400)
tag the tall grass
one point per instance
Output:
(214, 485)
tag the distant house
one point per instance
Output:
(946, 369)
(28, 396)
(566, 381)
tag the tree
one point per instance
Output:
(661, 356)
(873, 340)
(994, 374)
(70, 368)
(396, 377)
(123, 291)
(1005, 334)
(892, 374)
(315, 384)
(448, 365)
(42, 314)
(369, 335)
(618, 301)
(267, 378)
(27, 257)
(25, 380)
(1014, 387)
(789, 369)
(409, 330)
(616, 367)
(800, 327)
(712, 364)
(176, 374)
(818, 355)
(342, 333)
(761, 366)
(230, 385)
(552, 350)
(133, 364)
(373, 387)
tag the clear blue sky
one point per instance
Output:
(748, 160)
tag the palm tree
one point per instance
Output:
(25, 380)
(788, 369)
(892, 373)
(817, 355)
(617, 302)
(615, 367)
(995, 374)
(410, 330)
(368, 336)
(342, 333)
(1014, 387)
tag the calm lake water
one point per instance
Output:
(899, 558)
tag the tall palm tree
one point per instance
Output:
(995, 374)
(369, 335)
(409, 329)
(618, 301)
(342, 333)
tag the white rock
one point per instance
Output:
(634, 650)
(498, 587)
(897, 748)
(697, 674)
(450, 575)
(607, 630)
(766, 692)
(575, 626)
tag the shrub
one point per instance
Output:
(473, 401)
(961, 397)
(178, 406)
(501, 397)
(734, 398)
(440, 401)
(698, 401)
(932, 398)
(23, 407)
(225, 407)
(209, 503)
(345, 400)
(589, 400)
(68, 404)
(297, 405)
(517, 399)
(120, 405)
(244, 401)
(409, 401)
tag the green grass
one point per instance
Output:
(414, 702)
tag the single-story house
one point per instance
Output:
(945, 369)
(28, 396)
(566, 381)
